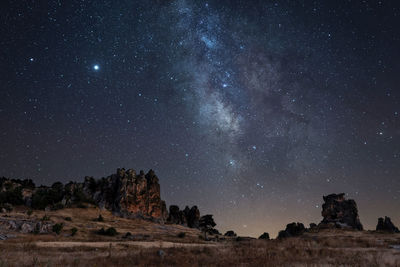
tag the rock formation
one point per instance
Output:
(187, 217)
(125, 193)
(292, 229)
(386, 225)
(176, 216)
(339, 213)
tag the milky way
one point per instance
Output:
(250, 109)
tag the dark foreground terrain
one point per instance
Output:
(149, 244)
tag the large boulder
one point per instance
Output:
(386, 225)
(292, 229)
(338, 212)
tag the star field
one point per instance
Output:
(251, 110)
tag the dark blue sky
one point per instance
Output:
(250, 109)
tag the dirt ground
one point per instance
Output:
(152, 244)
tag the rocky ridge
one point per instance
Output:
(125, 193)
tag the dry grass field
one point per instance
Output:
(152, 244)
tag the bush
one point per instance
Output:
(29, 212)
(57, 206)
(44, 196)
(45, 218)
(74, 231)
(12, 196)
(82, 206)
(57, 228)
(7, 206)
(68, 219)
(99, 219)
(181, 234)
(109, 232)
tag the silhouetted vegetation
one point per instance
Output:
(45, 196)
(74, 231)
(12, 196)
(57, 228)
(99, 219)
(45, 218)
(181, 234)
(109, 232)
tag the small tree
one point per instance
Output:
(74, 231)
(57, 228)
(206, 224)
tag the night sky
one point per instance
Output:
(251, 110)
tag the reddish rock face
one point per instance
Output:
(125, 193)
(129, 194)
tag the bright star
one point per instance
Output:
(96, 67)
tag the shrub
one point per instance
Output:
(74, 231)
(44, 196)
(181, 234)
(82, 206)
(57, 206)
(29, 212)
(69, 219)
(109, 232)
(99, 219)
(7, 206)
(45, 218)
(12, 196)
(57, 228)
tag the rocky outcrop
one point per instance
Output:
(125, 193)
(176, 216)
(338, 212)
(187, 217)
(192, 216)
(386, 225)
(26, 226)
(292, 229)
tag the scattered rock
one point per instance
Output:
(339, 213)
(386, 225)
(230, 233)
(26, 228)
(292, 229)
(265, 236)
(43, 228)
